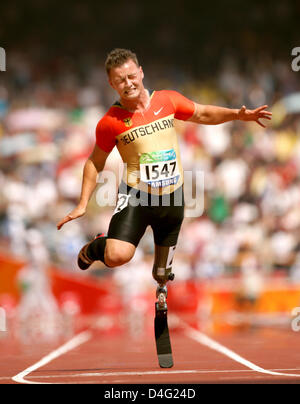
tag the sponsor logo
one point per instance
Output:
(158, 156)
(164, 183)
(157, 112)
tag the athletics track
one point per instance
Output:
(109, 352)
(95, 357)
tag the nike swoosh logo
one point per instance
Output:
(157, 112)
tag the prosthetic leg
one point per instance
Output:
(162, 274)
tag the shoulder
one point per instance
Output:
(184, 108)
(172, 96)
(167, 97)
(110, 118)
(169, 94)
(105, 133)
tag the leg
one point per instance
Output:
(165, 238)
(118, 252)
(165, 245)
(163, 264)
(162, 274)
(112, 252)
(126, 228)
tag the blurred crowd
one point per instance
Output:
(251, 196)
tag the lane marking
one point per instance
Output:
(68, 346)
(108, 374)
(190, 332)
(216, 346)
(97, 374)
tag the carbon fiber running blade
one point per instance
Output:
(162, 338)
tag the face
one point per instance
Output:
(127, 80)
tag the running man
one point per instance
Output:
(141, 126)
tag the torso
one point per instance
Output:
(148, 144)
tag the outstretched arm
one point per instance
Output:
(212, 115)
(93, 166)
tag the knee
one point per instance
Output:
(115, 257)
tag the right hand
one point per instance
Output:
(75, 214)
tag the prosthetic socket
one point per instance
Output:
(162, 274)
(163, 264)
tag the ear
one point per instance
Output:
(142, 72)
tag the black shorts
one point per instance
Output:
(137, 210)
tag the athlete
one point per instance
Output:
(141, 125)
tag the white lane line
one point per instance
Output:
(166, 372)
(113, 374)
(68, 346)
(190, 332)
(216, 346)
(152, 373)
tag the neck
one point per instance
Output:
(139, 104)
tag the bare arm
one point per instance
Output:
(93, 166)
(212, 115)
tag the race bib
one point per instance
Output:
(159, 169)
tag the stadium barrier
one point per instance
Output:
(214, 300)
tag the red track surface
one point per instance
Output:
(118, 358)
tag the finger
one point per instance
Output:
(261, 108)
(60, 225)
(63, 221)
(262, 125)
(265, 117)
(266, 113)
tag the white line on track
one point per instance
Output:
(152, 373)
(190, 332)
(216, 346)
(166, 372)
(68, 346)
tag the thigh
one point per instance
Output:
(128, 223)
(167, 225)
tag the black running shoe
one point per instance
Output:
(84, 261)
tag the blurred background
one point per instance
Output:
(53, 93)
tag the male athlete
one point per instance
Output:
(141, 126)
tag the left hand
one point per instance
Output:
(245, 114)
